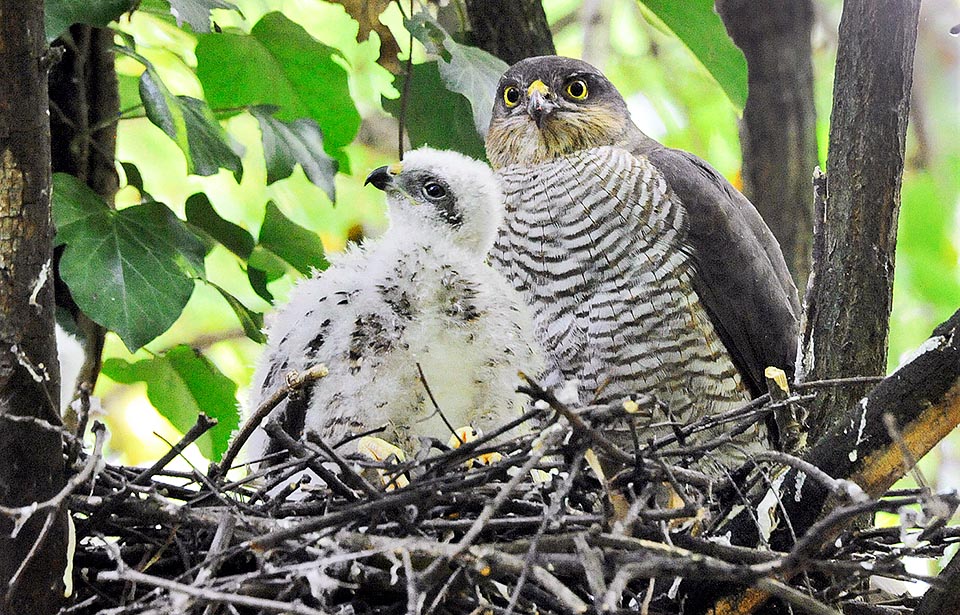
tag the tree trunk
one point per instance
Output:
(32, 560)
(510, 29)
(778, 131)
(84, 107)
(848, 303)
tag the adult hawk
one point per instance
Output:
(650, 276)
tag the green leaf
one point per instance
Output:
(197, 12)
(434, 115)
(61, 14)
(699, 27)
(131, 270)
(467, 70)
(252, 322)
(280, 64)
(132, 173)
(164, 110)
(258, 281)
(200, 214)
(291, 242)
(181, 384)
(287, 143)
(210, 149)
(191, 125)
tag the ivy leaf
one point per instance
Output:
(467, 70)
(287, 143)
(200, 214)
(197, 12)
(132, 271)
(291, 242)
(252, 322)
(61, 14)
(258, 281)
(367, 13)
(697, 25)
(210, 147)
(181, 384)
(280, 64)
(164, 110)
(434, 115)
(191, 125)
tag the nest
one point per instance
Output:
(534, 531)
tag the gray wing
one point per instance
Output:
(740, 274)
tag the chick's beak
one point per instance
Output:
(382, 177)
(540, 105)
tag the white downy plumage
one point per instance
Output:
(421, 294)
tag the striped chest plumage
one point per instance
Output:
(596, 241)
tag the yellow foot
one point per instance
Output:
(379, 449)
(466, 434)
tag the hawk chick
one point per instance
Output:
(648, 273)
(419, 297)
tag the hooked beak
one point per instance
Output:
(540, 105)
(382, 177)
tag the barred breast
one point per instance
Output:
(596, 242)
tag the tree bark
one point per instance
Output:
(84, 107)
(923, 397)
(848, 303)
(778, 131)
(510, 29)
(32, 560)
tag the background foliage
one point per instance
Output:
(247, 128)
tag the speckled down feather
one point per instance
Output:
(419, 295)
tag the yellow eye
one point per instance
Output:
(577, 89)
(511, 95)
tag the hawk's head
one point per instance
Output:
(550, 106)
(443, 192)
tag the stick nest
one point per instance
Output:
(468, 537)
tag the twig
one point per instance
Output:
(275, 431)
(294, 381)
(537, 392)
(202, 426)
(207, 595)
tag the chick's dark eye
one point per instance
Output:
(511, 95)
(433, 190)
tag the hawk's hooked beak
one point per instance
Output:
(540, 105)
(382, 177)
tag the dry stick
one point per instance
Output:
(348, 471)
(208, 595)
(221, 541)
(602, 442)
(413, 594)
(500, 563)
(333, 481)
(556, 500)
(628, 571)
(693, 477)
(202, 426)
(838, 486)
(815, 537)
(550, 437)
(294, 381)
